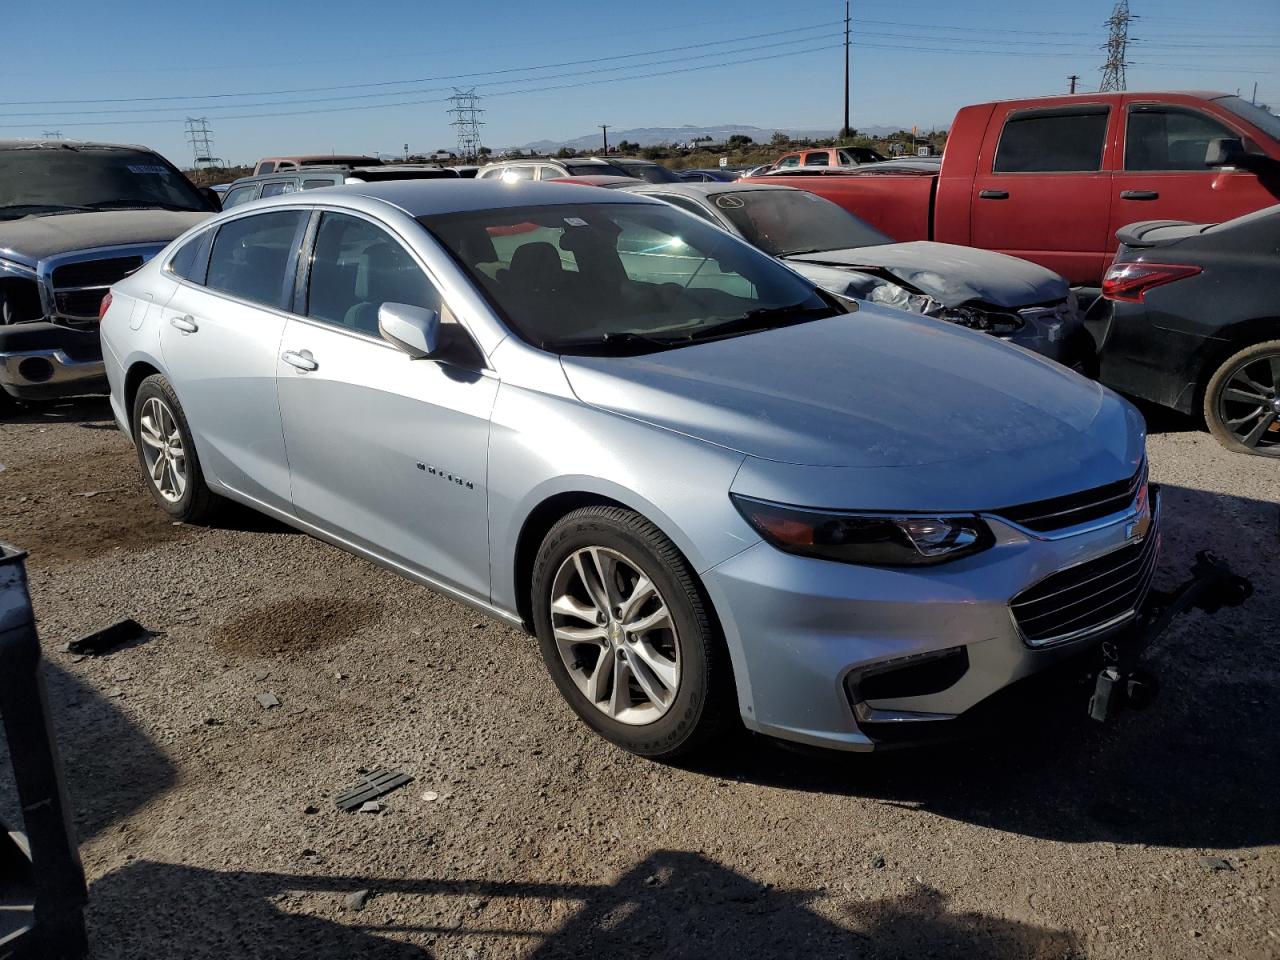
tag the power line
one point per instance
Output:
(1117, 44)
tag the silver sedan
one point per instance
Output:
(719, 495)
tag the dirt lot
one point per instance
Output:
(209, 828)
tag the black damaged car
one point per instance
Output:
(1189, 318)
(75, 218)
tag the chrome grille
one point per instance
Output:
(1089, 597)
(1058, 513)
(78, 287)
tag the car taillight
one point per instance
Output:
(1131, 281)
(104, 306)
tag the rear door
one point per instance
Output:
(1164, 176)
(219, 336)
(385, 452)
(1042, 190)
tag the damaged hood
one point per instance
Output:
(951, 274)
(30, 240)
(874, 388)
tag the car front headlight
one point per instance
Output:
(872, 539)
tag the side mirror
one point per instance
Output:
(211, 195)
(1225, 152)
(415, 330)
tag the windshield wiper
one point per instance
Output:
(15, 210)
(621, 342)
(138, 205)
(765, 318)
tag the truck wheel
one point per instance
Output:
(1242, 401)
(167, 453)
(627, 637)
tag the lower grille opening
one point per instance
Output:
(917, 676)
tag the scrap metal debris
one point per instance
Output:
(100, 641)
(268, 700)
(372, 785)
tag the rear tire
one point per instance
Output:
(167, 453)
(1242, 401)
(628, 637)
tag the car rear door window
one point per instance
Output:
(239, 195)
(550, 173)
(356, 267)
(1162, 137)
(278, 187)
(251, 257)
(1063, 141)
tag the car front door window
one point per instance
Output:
(1161, 137)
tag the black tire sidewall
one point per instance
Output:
(186, 507)
(1221, 377)
(681, 723)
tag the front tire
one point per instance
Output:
(167, 453)
(1242, 401)
(628, 637)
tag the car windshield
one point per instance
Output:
(789, 222)
(1260, 117)
(70, 179)
(651, 172)
(622, 278)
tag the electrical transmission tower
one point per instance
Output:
(51, 135)
(466, 120)
(201, 139)
(1117, 43)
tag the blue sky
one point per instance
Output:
(718, 61)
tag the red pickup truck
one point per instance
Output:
(1052, 179)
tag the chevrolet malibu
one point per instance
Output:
(717, 494)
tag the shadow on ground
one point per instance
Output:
(671, 904)
(91, 412)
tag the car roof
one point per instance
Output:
(37, 144)
(423, 198)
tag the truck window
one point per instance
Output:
(1059, 141)
(1160, 137)
(790, 161)
(267, 166)
(822, 159)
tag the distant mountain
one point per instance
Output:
(654, 136)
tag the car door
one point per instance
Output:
(219, 337)
(385, 452)
(1164, 176)
(1041, 189)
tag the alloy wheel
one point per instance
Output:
(1249, 404)
(615, 634)
(162, 449)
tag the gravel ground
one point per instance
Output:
(209, 828)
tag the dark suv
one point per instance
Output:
(74, 219)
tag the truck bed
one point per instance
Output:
(898, 202)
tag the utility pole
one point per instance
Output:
(1072, 80)
(1117, 43)
(467, 121)
(844, 131)
(604, 133)
(1253, 99)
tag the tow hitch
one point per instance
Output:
(1121, 682)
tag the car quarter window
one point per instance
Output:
(1163, 137)
(356, 267)
(239, 195)
(822, 159)
(190, 262)
(251, 256)
(313, 184)
(278, 187)
(1069, 140)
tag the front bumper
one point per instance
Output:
(849, 657)
(43, 361)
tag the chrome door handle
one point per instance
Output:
(302, 359)
(186, 324)
(993, 194)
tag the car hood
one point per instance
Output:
(875, 388)
(30, 240)
(951, 274)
